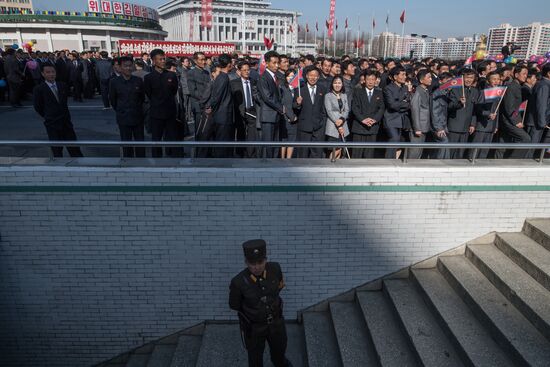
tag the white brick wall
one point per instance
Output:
(87, 275)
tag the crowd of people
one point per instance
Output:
(282, 99)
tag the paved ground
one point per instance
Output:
(89, 119)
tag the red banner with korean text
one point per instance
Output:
(206, 14)
(137, 47)
(332, 17)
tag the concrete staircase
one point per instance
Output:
(485, 304)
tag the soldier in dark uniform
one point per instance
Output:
(254, 294)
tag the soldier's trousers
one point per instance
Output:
(275, 335)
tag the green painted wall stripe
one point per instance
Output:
(274, 189)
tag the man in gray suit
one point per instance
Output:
(397, 101)
(272, 108)
(198, 79)
(421, 112)
(538, 111)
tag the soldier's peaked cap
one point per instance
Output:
(254, 250)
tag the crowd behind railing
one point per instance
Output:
(283, 99)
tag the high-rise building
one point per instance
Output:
(449, 49)
(534, 39)
(182, 20)
(12, 6)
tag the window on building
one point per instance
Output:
(271, 22)
(234, 20)
(259, 22)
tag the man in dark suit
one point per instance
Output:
(312, 117)
(461, 123)
(50, 102)
(245, 97)
(221, 103)
(368, 110)
(198, 79)
(511, 125)
(272, 108)
(76, 69)
(538, 110)
(161, 87)
(397, 99)
(61, 67)
(127, 97)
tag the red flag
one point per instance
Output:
(373, 23)
(327, 24)
(336, 24)
(346, 23)
(402, 17)
(523, 107)
(492, 94)
(307, 28)
(454, 83)
(268, 43)
(295, 81)
(317, 26)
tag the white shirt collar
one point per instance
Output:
(271, 73)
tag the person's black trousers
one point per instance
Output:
(132, 133)
(270, 133)
(78, 87)
(537, 137)
(481, 137)
(363, 153)
(515, 135)
(313, 136)
(63, 133)
(251, 135)
(104, 86)
(455, 137)
(224, 133)
(15, 93)
(163, 129)
(276, 337)
(394, 136)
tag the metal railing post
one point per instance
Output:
(475, 156)
(405, 155)
(541, 158)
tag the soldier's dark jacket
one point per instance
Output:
(247, 292)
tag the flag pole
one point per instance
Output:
(244, 27)
(358, 31)
(334, 30)
(286, 33)
(325, 41)
(371, 43)
(463, 88)
(501, 98)
(346, 43)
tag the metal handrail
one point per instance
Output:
(277, 144)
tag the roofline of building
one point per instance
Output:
(177, 6)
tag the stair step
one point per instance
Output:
(351, 332)
(528, 295)
(468, 335)
(296, 348)
(138, 360)
(389, 341)
(162, 355)
(430, 343)
(187, 351)
(221, 346)
(510, 329)
(539, 230)
(321, 343)
(527, 253)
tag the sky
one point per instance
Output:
(435, 18)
